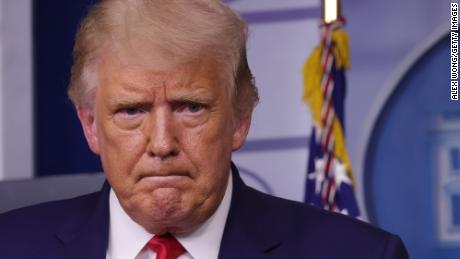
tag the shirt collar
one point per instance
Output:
(121, 227)
(203, 243)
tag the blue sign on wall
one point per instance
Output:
(412, 170)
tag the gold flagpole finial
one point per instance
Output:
(331, 10)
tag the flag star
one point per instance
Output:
(318, 174)
(340, 173)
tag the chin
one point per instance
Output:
(171, 220)
(160, 211)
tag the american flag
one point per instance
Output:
(329, 183)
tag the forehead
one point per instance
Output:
(159, 71)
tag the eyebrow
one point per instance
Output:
(199, 94)
(128, 102)
(139, 99)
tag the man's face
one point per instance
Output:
(165, 136)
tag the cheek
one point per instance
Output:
(214, 135)
(208, 146)
(120, 151)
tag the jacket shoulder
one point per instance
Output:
(52, 212)
(325, 233)
(36, 225)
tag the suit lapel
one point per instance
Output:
(248, 232)
(86, 234)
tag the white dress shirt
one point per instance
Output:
(127, 239)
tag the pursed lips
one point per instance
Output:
(164, 175)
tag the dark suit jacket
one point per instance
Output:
(258, 226)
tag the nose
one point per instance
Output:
(161, 137)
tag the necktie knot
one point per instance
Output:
(166, 246)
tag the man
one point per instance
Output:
(165, 95)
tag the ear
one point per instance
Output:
(88, 124)
(240, 131)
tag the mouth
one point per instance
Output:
(168, 181)
(164, 177)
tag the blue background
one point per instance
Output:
(58, 135)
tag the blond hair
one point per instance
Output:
(182, 28)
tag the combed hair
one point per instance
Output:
(182, 29)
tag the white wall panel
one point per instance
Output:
(16, 121)
(277, 51)
(2, 147)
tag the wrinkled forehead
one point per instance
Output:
(145, 55)
(151, 67)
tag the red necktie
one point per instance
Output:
(166, 246)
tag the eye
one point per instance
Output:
(129, 117)
(190, 107)
(193, 107)
(130, 111)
